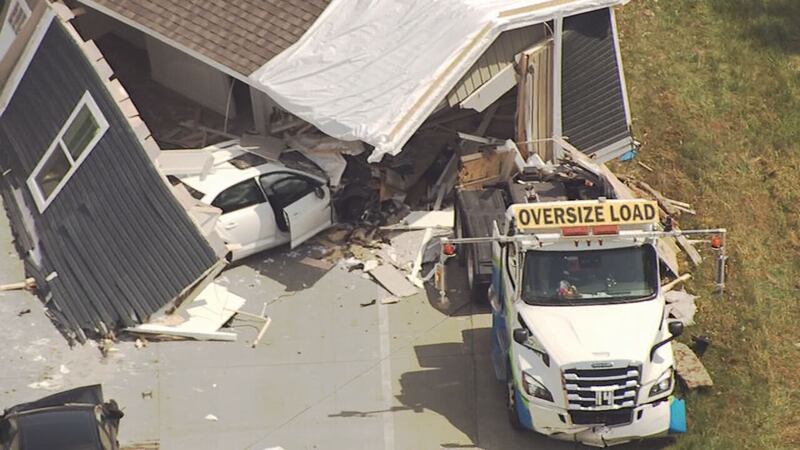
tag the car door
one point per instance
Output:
(302, 204)
(247, 219)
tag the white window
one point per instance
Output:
(17, 17)
(84, 127)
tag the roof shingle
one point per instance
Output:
(252, 31)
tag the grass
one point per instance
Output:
(715, 95)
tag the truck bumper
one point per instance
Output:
(651, 420)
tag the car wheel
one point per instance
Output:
(511, 401)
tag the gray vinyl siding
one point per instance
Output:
(592, 99)
(120, 243)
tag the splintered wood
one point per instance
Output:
(671, 208)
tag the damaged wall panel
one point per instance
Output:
(593, 99)
(114, 245)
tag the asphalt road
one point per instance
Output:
(329, 373)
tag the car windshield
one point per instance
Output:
(63, 429)
(590, 277)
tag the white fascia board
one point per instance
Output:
(25, 59)
(558, 49)
(156, 35)
(615, 37)
(614, 150)
(492, 90)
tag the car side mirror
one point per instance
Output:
(521, 335)
(675, 328)
(319, 191)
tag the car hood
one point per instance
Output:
(572, 334)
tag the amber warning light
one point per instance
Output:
(449, 249)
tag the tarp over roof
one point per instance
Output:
(374, 70)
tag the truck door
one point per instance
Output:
(302, 204)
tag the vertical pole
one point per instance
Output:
(558, 152)
(523, 120)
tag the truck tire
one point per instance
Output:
(458, 226)
(511, 401)
(478, 292)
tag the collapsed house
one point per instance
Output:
(110, 242)
(106, 241)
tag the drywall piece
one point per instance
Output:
(202, 318)
(185, 162)
(420, 220)
(689, 368)
(393, 281)
(267, 147)
(491, 91)
(681, 306)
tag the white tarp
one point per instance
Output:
(373, 70)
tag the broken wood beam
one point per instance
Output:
(28, 284)
(691, 252)
(662, 200)
(671, 285)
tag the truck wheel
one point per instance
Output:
(477, 291)
(460, 249)
(511, 401)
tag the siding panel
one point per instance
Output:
(119, 241)
(593, 105)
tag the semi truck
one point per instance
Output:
(572, 272)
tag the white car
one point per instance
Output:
(264, 204)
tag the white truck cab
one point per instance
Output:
(580, 334)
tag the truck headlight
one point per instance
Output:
(663, 383)
(535, 388)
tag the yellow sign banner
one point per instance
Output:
(530, 216)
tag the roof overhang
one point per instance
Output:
(374, 71)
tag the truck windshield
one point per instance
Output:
(590, 277)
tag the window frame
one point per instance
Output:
(42, 201)
(18, 14)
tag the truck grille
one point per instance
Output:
(597, 389)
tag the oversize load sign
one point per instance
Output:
(584, 213)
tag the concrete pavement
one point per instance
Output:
(329, 373)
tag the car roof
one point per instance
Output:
(232, 165)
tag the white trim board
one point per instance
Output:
(25, 59)
(615, 37)
(558, 118)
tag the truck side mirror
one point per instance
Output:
(675, 328)
(521, 336)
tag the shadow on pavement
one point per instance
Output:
(296, 269)
(457, 381)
